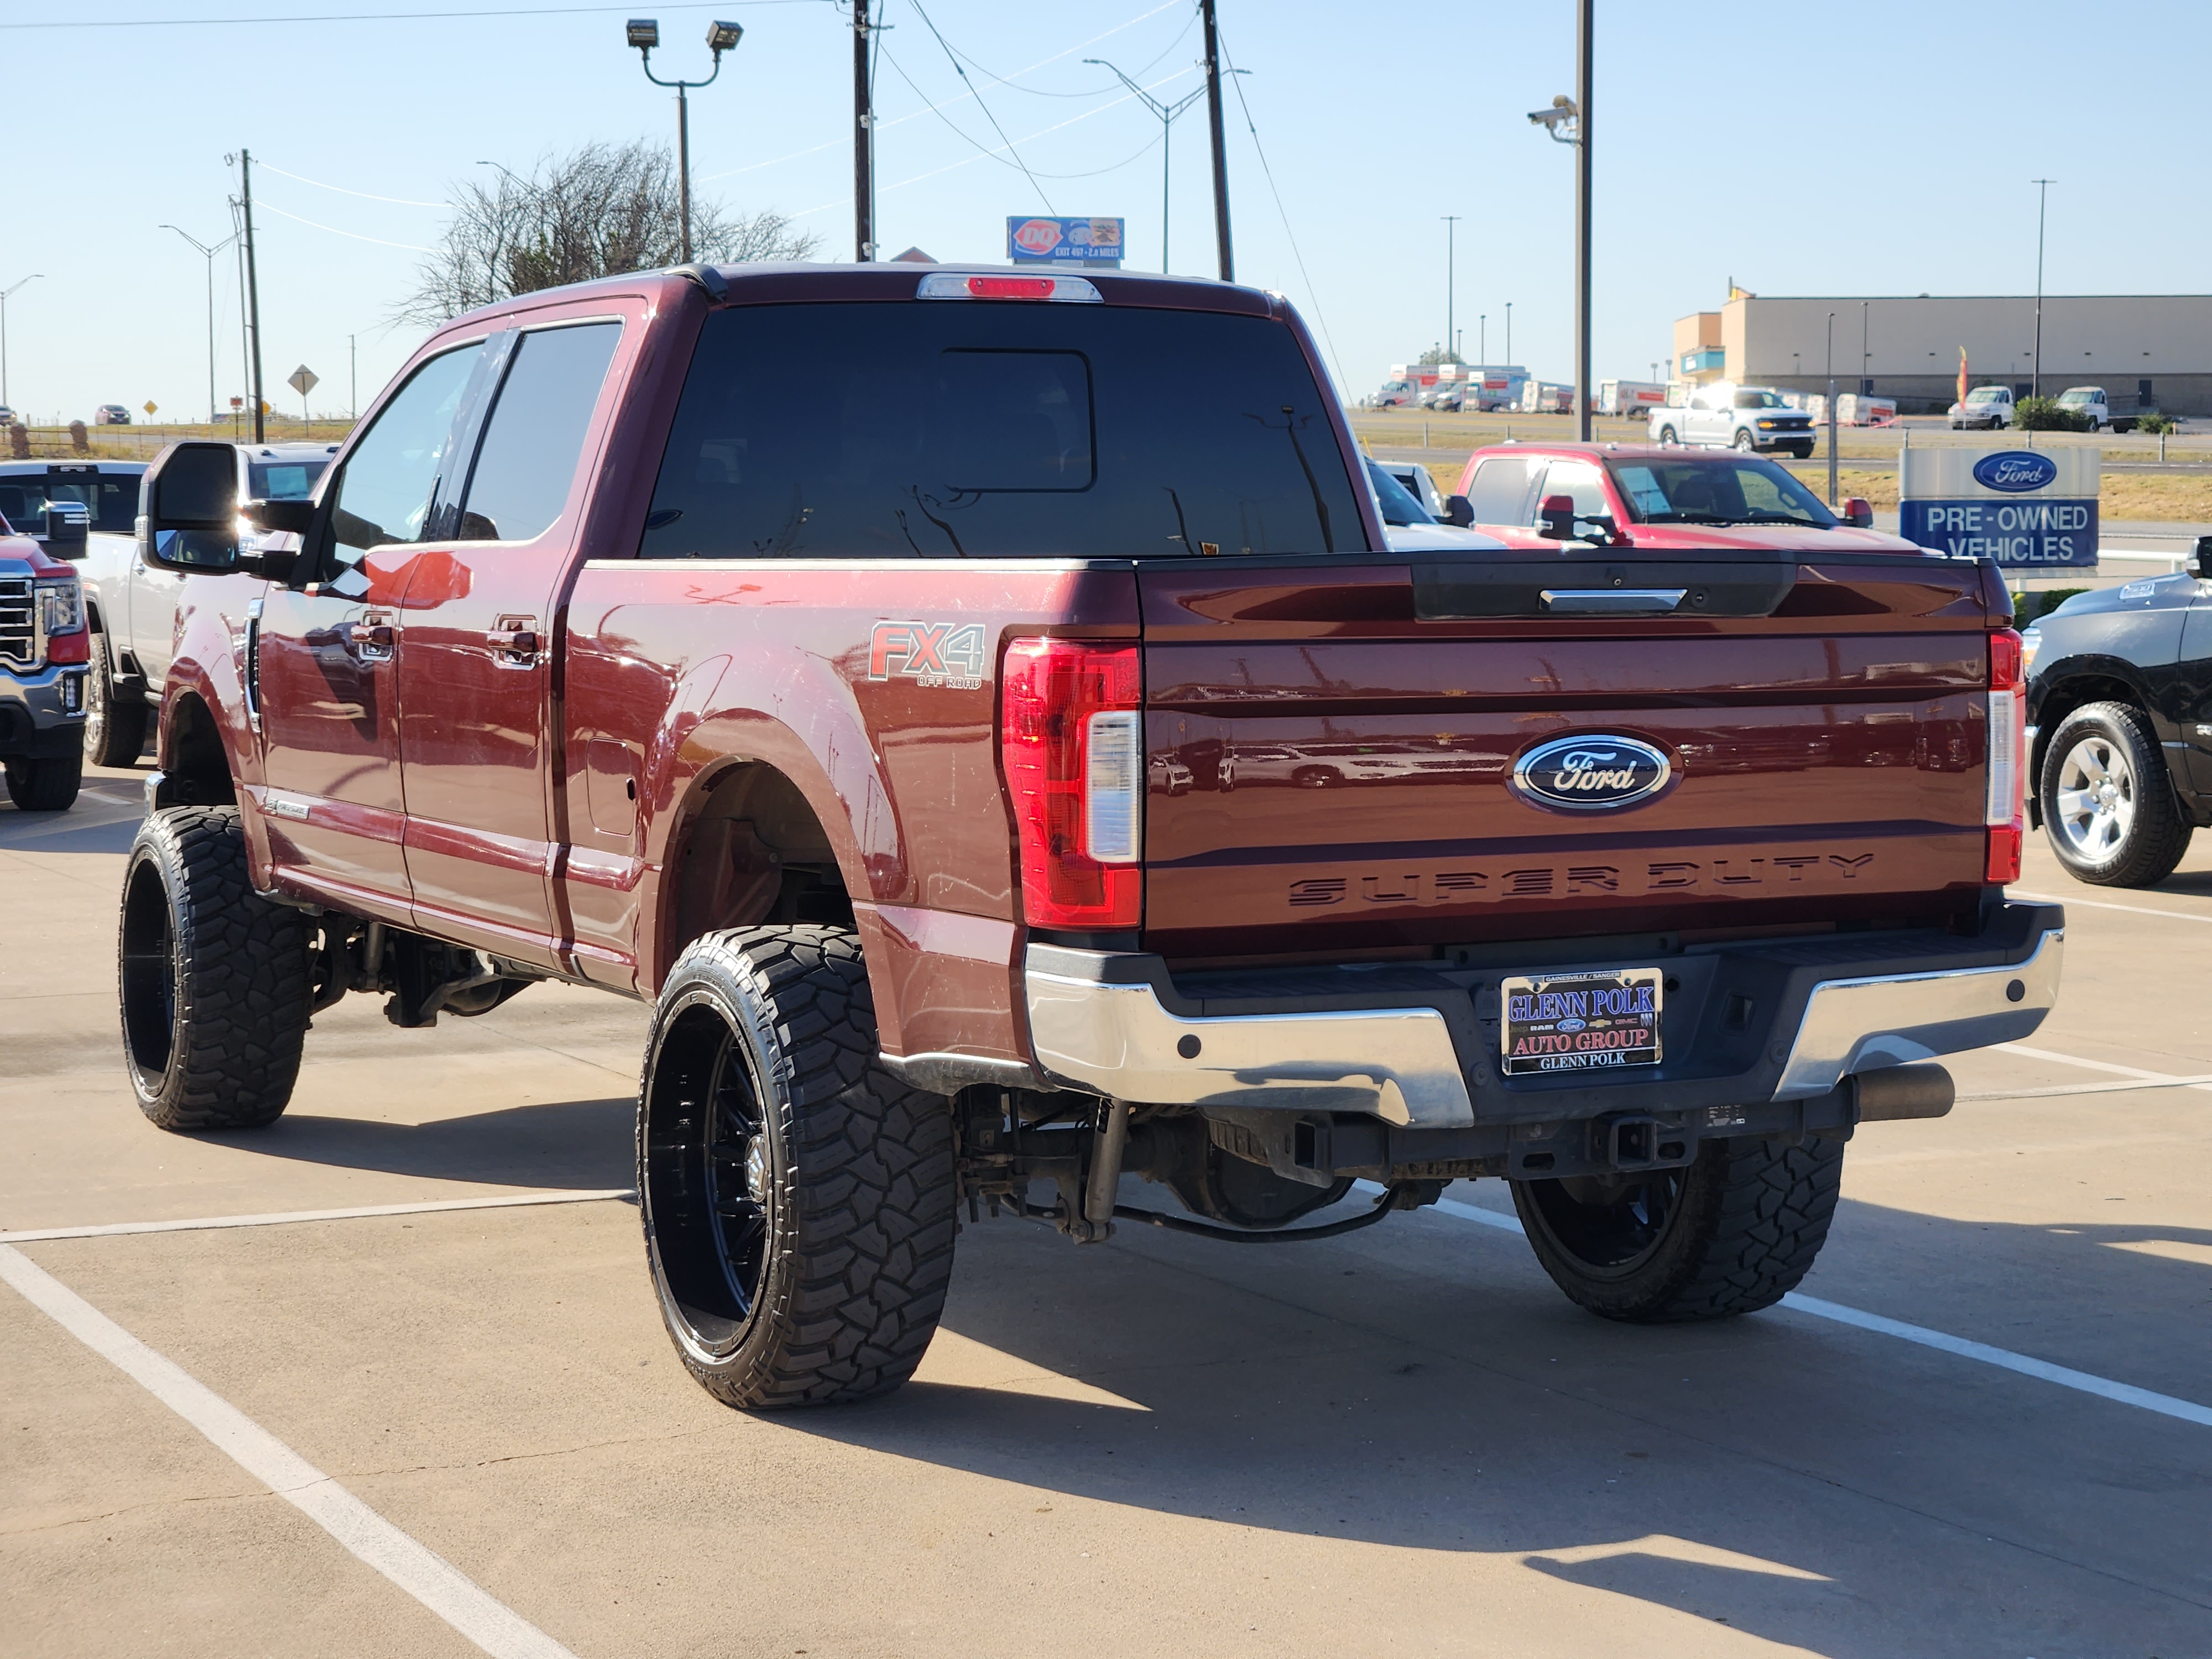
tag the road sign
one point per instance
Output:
(2023, 507)
(238, 402)
(1065, 241)
(303, 379)
(149, 405)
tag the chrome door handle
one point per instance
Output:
(513, 647)
(373, 639)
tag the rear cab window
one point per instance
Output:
(1498, 492)
(976, 429)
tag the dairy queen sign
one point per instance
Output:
(2022, 507)
(1065, 241)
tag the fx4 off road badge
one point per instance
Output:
(931, 654)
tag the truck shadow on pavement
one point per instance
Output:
(1428, 1390)
(576, 1144)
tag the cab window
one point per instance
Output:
(383, 494)
(1498, 492)
(1580, 480)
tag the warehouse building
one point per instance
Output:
(2150, 349)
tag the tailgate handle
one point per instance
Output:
(1612, 601)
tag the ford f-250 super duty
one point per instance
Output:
(893, 743)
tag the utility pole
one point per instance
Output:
(33, 277)
(1585, 26)
(1220, 154)
(2042, 194)
(353, 380)
(1509, 334)
(253, 290)
(1866, 380)
(1832, 409)
(1452, 279)
(1167, 113)
(864, 142)
(1482, 337)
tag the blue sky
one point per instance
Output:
(1873, 148)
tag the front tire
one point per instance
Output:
(45, 786)
(1745, 443)
(2108, 807)
(114, 731)
(798, 1199)
(1729, 1233)
(213, 978)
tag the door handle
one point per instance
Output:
(515, 643)
(371, 638)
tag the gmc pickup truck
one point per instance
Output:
(43, 647)
(916, 750)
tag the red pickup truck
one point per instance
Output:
(896, 676)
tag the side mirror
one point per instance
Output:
(188, 503)
(1555, 518)
(1858, 513)
(1458, 510)
(2200, 561)
(66, 528)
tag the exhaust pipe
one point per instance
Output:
(1902, 1092)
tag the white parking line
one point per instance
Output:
(421, 1571)
(2162, 1079)
(285, 1218)
(2106, 904)
(2126, 1393)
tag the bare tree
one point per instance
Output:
(597, 211)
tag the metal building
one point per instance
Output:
(2152, 348)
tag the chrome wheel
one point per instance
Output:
(2095, 798)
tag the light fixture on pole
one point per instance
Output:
(4, 293)
(644, 34)
(209, 253)
(1568, 122)
(2042, 194)
(1167, 113)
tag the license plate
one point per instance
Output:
(1582, 1022)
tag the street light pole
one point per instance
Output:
(1509, 334)
(2042, 194)
(644, 34)
(1167, 113)
(208, 253)
(33, 277)
(1832, 409)
(1451, 279)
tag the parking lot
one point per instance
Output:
(1984, 1428)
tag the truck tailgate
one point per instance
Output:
(1332, 747)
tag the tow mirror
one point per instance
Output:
(2200, 561)
(1557, 517)
(189, 506)
(1460, 511)
(65, 530)
(1858, 513)
(292, 517)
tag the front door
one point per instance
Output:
(476, 643)
(322, 657)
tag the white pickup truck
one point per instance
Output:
(1989, 406)
(2090, 400)
(1751, 418)
(132, 602)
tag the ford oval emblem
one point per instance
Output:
(1591, 772)
(2015, 470)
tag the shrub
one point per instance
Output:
(2033, 606)
(2158, 423)
(2044, 415)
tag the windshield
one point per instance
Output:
(283, 481)
(108, 494)
(981, 430)
(1986, 394)
(1759, 400)
(2078, 395)
(1398, 506)
(1747, 491)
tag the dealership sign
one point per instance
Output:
(2022, 507)
(1065, 241)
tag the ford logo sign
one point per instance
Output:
(2015, 471)
(1592, 772)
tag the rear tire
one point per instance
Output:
(213, 978)
(45, 786)
(798, 1199)
(114, 731)
(2108, 807)
(1667, 440)
(1730, 1233)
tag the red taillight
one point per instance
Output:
(2008, 725)
(1010, 288)
(1076, 792)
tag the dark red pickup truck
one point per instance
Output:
(983, 713)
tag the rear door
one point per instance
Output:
(477, 638)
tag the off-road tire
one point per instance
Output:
(114, 730)
(212, 978)
(852, 1197)
(45, 786)
(1744, 1222)
(2158, 836)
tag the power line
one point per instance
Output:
(994, 155)
(1312, 294)
(379, 16)
(366, 196)
(270, 207)
(952, 58)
